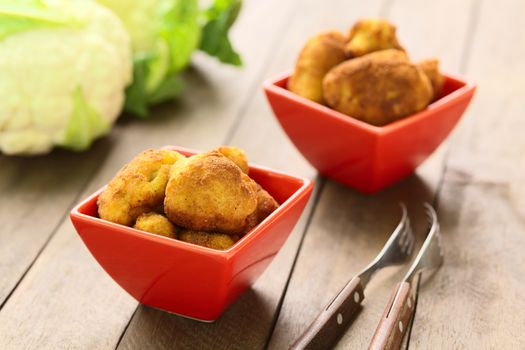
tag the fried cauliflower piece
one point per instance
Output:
(236, 155)
(369, 35)
(321, 53)
(377, 88)
(390, 55)
(208, 192)
(266, 205)
(138, 187)
(431, 69)
(218, 241)
(156, 223)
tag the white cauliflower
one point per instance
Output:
(64, 68)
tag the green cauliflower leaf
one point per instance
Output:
(164, 34)
(215, 41)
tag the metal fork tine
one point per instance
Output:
(439, 241)
(403, 237)
(409, 242)
(432, 219)
(403, 247)
(394, 252)
(410, 234)
(406, 244)
(407, 235)
(428, 261)
(411, 246)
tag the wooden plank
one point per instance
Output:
(348, 228)
(66, 300)
(249, 322)
(475, 301)
(35, 194)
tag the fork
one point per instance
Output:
(333, 320)
(393, 324)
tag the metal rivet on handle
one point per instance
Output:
(356, 297)
(339, 318)
(401, 326)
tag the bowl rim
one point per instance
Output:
(270, 85)
(306, 185)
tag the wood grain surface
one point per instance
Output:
(476, 300)
(35, 195)
(53, 294)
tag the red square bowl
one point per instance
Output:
(187, 279)
(366, 157)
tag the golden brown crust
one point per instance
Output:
(318, 56)
(156, 223)
(389, 55)
(377, 88)
(266, 205)
(209, 239)
(138, 187)
(208, 192)
(236, 155)
(431, 69)
(369, 35)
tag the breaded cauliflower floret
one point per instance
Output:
(320, 54)
(377, 88)
(266, 205)
(156, 223)
(208, 192)
(138, 187)
(236, 155)
(218, 241)
(431, 69)
(369, 35)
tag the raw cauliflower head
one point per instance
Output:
(65, 66)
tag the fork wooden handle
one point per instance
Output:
(394, 322)
(331, 323)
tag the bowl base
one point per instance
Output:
(180, 315)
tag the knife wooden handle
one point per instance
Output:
(331, 323)
(394, 322)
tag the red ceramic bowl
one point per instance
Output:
(187, 279)
(366, 157)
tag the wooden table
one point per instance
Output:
(54, 295)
